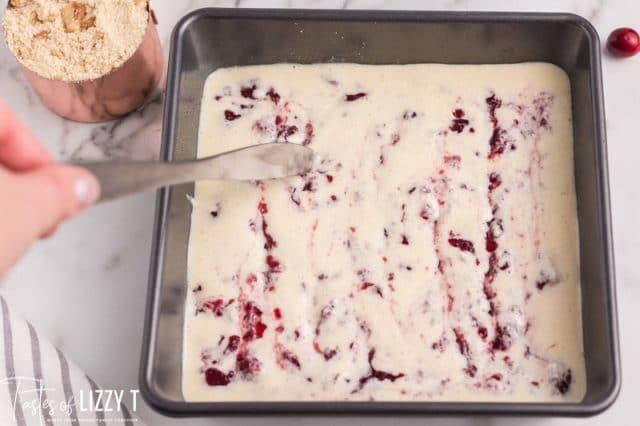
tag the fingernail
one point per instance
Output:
(86, 189)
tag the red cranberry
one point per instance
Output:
(502, 339)
(493, 103)
(247, 365)
(247, 91)
(490, 243)
(329, 353)
(275, 97)
(458, 123)
(273, 263)
(233, 344)
(354, 96)
(563, 382)
(252, 323)
(409, 115)
(624, 42)
(230, 115)
(462, 244)
(497, 143)
(494, 181)
(289, 356)
(365, 285)
(482, 332)
(215, 377)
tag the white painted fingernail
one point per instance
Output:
(86, 190)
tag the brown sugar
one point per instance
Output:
(74, 40)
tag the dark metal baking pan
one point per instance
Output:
(211, 38)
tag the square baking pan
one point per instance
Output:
(208, 39)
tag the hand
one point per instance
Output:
(35, 194)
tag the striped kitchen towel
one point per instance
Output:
(40, 386)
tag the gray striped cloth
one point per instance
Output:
(40, 386)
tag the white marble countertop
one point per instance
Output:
(85, 288)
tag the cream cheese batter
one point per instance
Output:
(432, 253)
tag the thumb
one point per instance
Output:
(48, 195)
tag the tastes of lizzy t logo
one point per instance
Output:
(33, 399)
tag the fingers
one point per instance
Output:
(49, 232)
(19, 148)
(37, 202)
(54, 193)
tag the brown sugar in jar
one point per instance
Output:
(80, 56)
